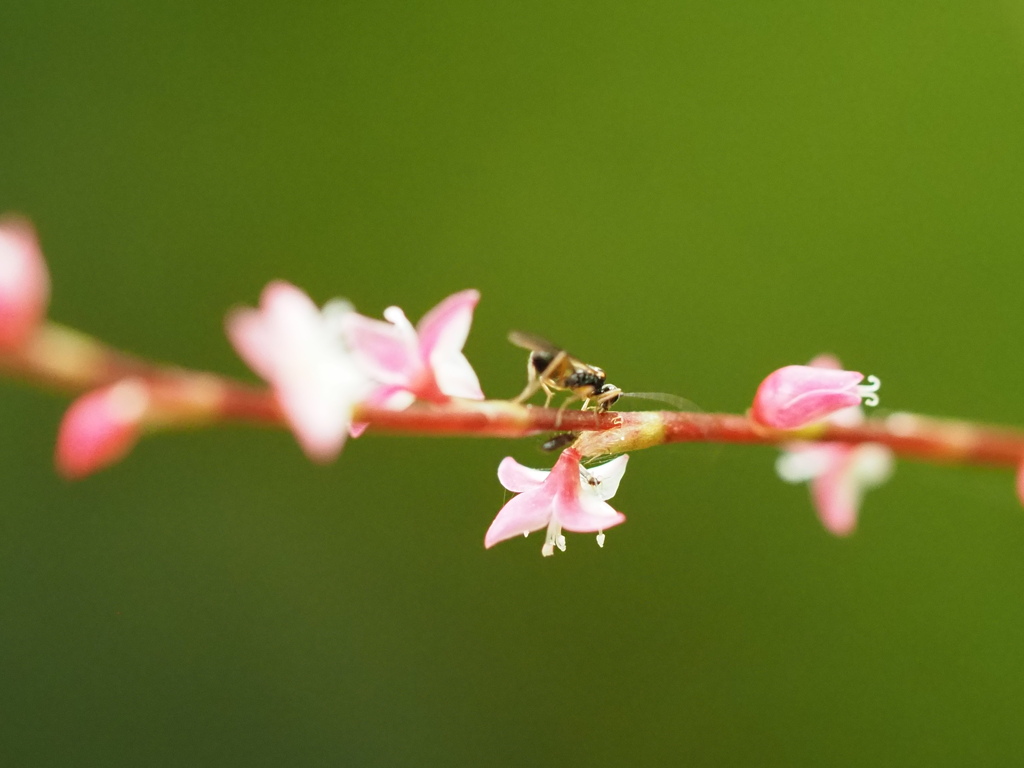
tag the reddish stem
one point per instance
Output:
(908, 435)
(60, 358)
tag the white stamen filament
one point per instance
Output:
(869, 391)
(553, 538)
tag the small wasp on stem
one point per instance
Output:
(552, 369)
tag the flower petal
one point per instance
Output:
(443, 332)
(811, 407)
(388, 397)
(837, 496)
(319, 414)
(847, 417)
(244, 328)
(826, 360)
(291, 344)
(24, 283)
(608, 476)
(446, 327)
(383, 349)
(798, 395)
(263, 337)
(585, 513)
(455, 376)
(515, 477)
(872, 464)
(801, 462)
(528, 511)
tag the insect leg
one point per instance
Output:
(573, 397)
(547, 391)
(537, 381)
(533, 383)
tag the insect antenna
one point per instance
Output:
(677, 402)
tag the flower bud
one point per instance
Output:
(24, 283)
(1020, 483)
(101, 427)
(799, 395)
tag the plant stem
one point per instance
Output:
(63, 359)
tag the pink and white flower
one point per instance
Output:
(101, 427)
(298, 349)
(799, 395)
(1020, 483)
(425, 362)
(24, 283)
(569, 497)
(838, 473)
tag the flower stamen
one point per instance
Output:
(869, 391)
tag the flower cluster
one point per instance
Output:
(320, 363)
(801, 396)
(323, 364)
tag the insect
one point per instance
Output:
(552, 369)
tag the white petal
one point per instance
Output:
(455, 376)
(873, 464)
(847, 417)
(292, 345)
(803, 464)
(608, 476)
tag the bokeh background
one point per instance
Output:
(689, 194)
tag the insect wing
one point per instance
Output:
(540, 344)
(533, 343)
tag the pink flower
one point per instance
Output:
(425, 362)
(297, 348)
(24, 283)
(568, 496)
(1020, 483)
(838, 474)
(799, 395)
(101, 427)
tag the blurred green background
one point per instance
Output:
(688, 194)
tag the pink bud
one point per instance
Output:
(100, 428)
(798, 395)
(24, 283)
